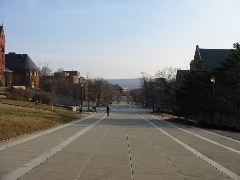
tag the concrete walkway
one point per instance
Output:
(130, 144)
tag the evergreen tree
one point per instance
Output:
(229, 73)
(228, 84)
(194, 96)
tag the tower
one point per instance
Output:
(2, 56)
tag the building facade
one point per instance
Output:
(181, 75)
(2, 56)
(73, 77)
(24, 70)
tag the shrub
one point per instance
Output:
(45, 98)
(18, 94)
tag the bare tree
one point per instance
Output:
(100, 91)
(45, 70)
(60, 69)
(169, 73)
(158, 90)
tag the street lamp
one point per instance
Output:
(52, 92)
(97, 99)
(213, 94)
(81, 82)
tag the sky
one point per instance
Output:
(118, 38)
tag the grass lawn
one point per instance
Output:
(22, 117)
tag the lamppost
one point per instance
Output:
(97, 99)
(213, 94)
(52, 88)
(81, 82)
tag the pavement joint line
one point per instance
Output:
(91, 156)
(39, 134)
(169, 160)
(43, 157)
(211, 162)
(201, 137)
(130, 157)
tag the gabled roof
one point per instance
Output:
(213, 57)
(19, 61)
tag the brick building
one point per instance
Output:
(71, 76)
(24, 70)
(2, 56)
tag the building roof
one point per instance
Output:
(213, 57)
(19, 61)
(181, 74)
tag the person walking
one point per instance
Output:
(108, 110)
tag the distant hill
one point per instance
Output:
(129, 83)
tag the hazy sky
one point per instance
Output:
(118, 38)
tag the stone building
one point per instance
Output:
(181, 75)
(2, 56)
(24, 70)
(204, 60)
(208, 59)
